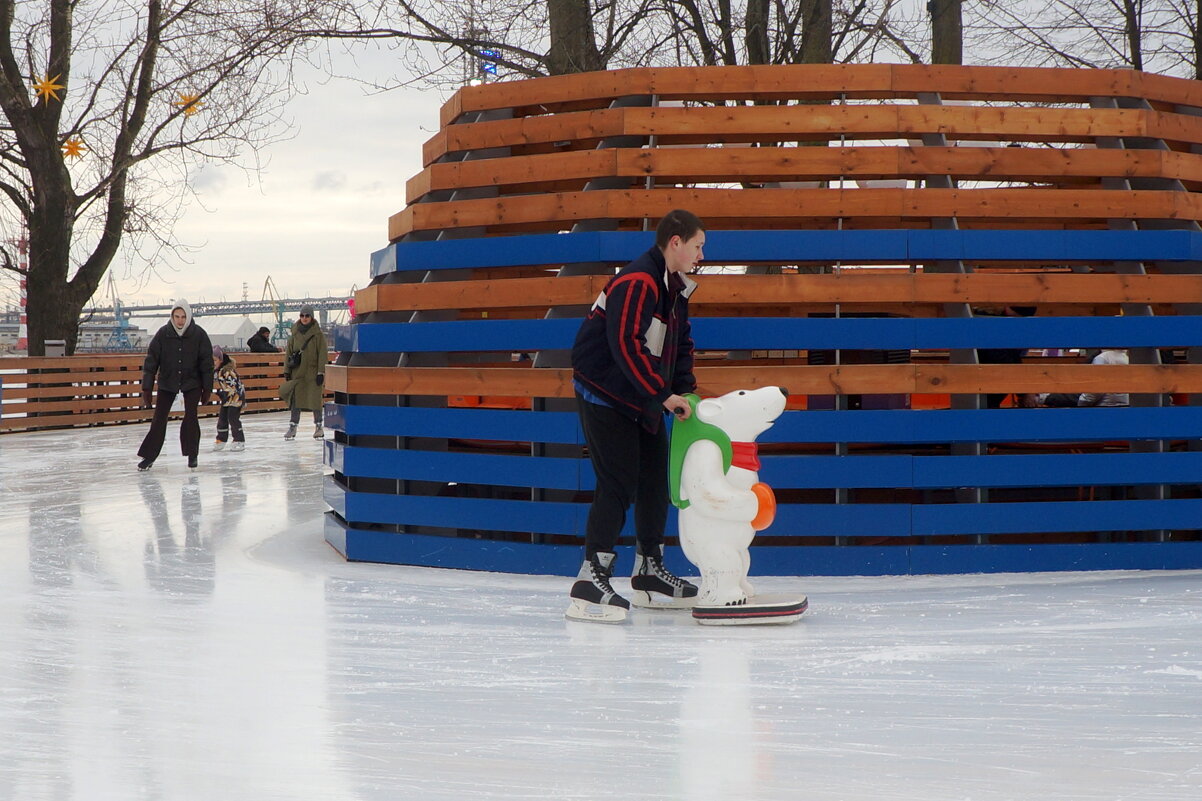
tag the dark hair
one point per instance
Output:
(263, 330)
(681, 223)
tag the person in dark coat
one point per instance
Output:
(180, 357)
(632, 364)
(305, 360)
(261, 342)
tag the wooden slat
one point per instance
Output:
(800, 380)
(34, 392)
(819, 122)
(764, 164)
(599, 88)
(736, 208)
(516, 292)
(75, 376)
(777, 82)
(849, 287)
(130, 360)
(119, 361)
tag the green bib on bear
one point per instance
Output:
(684, 434)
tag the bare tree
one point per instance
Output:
(105, 111)
(530, 38)
(443, 43)
(1178, 30)
(1140, 34)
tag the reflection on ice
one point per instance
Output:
(188, 635)
(180, 571)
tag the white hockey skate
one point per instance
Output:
(592, 597)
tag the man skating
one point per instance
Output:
(632, 362)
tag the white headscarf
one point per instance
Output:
(181, 304)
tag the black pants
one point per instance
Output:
(189, 429)
(631, 467)
(230, 419)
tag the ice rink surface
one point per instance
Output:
(189, 635)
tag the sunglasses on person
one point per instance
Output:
(306, 315)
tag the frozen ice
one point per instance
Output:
(180, 635)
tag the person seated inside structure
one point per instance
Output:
(1071, 399)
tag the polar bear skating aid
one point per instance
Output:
(715, 483)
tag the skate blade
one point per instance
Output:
(758, 611)
(648, 600)
(595, 613)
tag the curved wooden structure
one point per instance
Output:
(866, 225)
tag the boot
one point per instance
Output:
(318, 432)
(218, 446)
(291, 432)
(145, 464)
(192, 462)
(238, 446)
(655, 587)
(592, 596)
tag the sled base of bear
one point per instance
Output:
(759, 610)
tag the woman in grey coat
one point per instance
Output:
(180, 357)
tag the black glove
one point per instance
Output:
(147, 398)
(204, 396)
(321, 379)
(287, 375)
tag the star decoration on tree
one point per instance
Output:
(48, 87)
(74, 147)
(189, 103)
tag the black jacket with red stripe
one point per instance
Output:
(635, 347)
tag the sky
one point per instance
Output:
(311, 218)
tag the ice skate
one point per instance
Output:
(192, 462)
(592, 596)
(218, 446)
(655, 587)
(238, 447)
(145, 464)
(318, 432)
(290, 434)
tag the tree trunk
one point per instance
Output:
(53, 309)
(756, 37)
(573, 48)
(1131, 22)
(1198, 41)
(51, 306)
(816, 32)
(947, 32)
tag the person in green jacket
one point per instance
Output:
(305, 365)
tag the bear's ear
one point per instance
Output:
(709, 408)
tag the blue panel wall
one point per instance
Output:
(501, 489)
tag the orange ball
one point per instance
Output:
(767, 512)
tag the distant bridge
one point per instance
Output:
(228, 308)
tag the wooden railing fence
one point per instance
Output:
(71, 391)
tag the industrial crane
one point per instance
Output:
(270, 293)
(119, 337)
